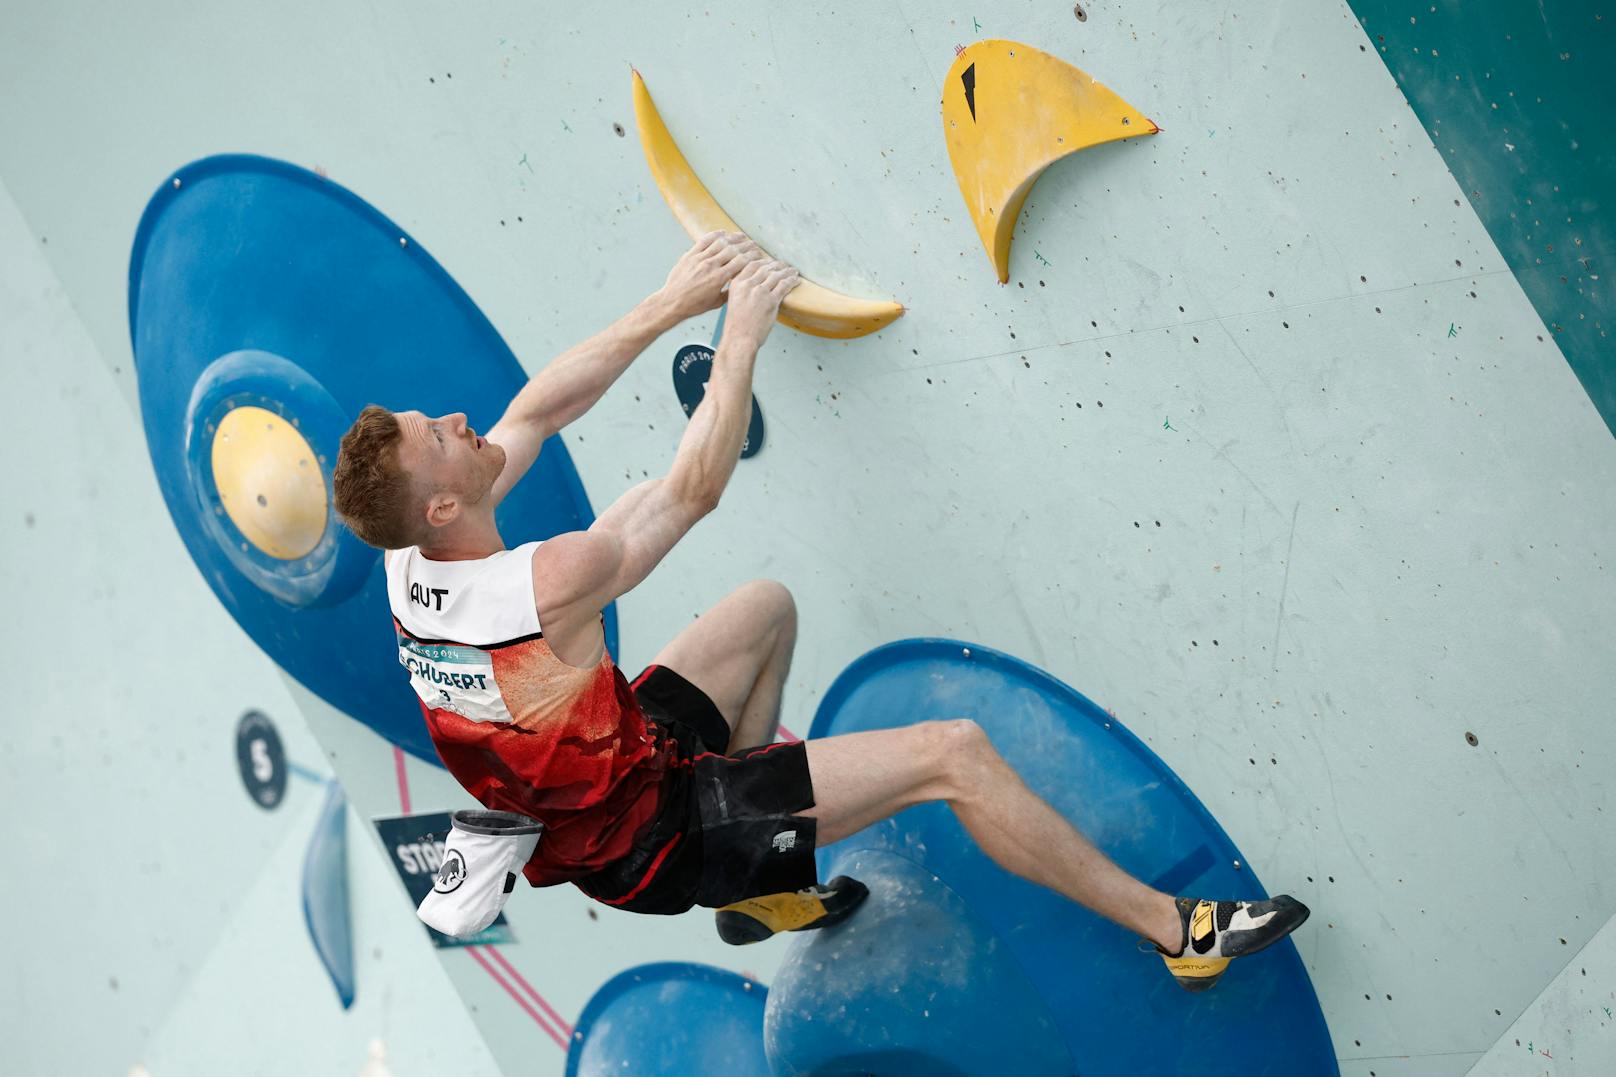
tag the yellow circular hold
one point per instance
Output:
(269, 482)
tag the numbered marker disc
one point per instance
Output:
(262, 759)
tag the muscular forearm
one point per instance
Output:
(571, 383)
(712, 442)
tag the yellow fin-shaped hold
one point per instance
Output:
(810, 308)
(1009, 112)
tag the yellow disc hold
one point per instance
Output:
(269, 482)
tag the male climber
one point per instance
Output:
(670, 791)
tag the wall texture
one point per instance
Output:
(1263, 447)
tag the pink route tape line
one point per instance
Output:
(510, 969)
(788, 734)
(398, 767)
(560, 1040)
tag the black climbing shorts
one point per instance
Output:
(726, 828)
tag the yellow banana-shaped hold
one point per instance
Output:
(810, 308)
(1009, 112)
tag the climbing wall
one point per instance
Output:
(1263, 446)
(1509, 95)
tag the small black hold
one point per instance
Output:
(617, 129)
(593, 915)
(1470, 739)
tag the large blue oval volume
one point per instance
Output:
(947, 934)
(255, 284)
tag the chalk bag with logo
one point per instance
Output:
(481, 857)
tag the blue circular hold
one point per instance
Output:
(257, 284)
(1118, 1010)
(671, 1018)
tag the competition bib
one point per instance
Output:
(452, 677)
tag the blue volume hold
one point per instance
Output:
(671, 1019)
(254, 284)
(900, 989)
(862, 997)
(326, 909)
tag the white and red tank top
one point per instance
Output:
(519, 728)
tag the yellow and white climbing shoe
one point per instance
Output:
(1216, 932)
(821, 905)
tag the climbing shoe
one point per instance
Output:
(1215, 932)
(821, 905)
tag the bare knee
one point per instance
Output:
(773, 600)
(958, 749)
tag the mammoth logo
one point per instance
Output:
(451, 874)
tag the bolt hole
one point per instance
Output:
(263, 502)
(1082, 15)
(617, 129)
(1470, 739)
